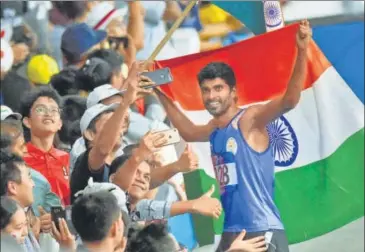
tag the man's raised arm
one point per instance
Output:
(187, 129)
(262, 115)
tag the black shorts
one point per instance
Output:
(279, 242)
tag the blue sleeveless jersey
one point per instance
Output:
(246, 180)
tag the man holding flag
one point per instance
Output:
(240, 145)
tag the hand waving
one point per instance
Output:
(208, 206)
(304, 35)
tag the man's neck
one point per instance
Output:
(104, 246)
(45, 143)
(224, 119)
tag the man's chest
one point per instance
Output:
(224, 149)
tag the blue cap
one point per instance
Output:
(79, 38)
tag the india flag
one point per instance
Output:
(319, 147)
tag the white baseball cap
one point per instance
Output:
(102, 13)
(94, 187)
(100, 93)
(6, 112)
(93, 112)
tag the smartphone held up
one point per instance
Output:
(159, 77)
(58, 212)
(172, 136)
(155, 78)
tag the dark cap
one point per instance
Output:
(79, 38)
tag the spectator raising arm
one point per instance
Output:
(110, 133)
(136, 24)
(172, 11)
(148, 145)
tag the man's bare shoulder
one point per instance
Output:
(250, 113)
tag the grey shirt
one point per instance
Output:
(148, 210)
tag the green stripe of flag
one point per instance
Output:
(325, 195)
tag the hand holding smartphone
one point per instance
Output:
(57, 213)
(156, 78)
(172, 136)
(159, 77)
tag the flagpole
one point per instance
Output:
(169, 33)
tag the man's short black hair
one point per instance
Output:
(217, 70)
(8, 208)
(74, 107)
(114, 59)
(151, 238)
(30, 97)
(71, 9)
(6, 141)
(128, 150)
(70, 133)
(94, 214)
(119, 161)
(9, 170)
(94, 73)
(65, 82)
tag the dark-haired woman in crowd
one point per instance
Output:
(13, 223)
